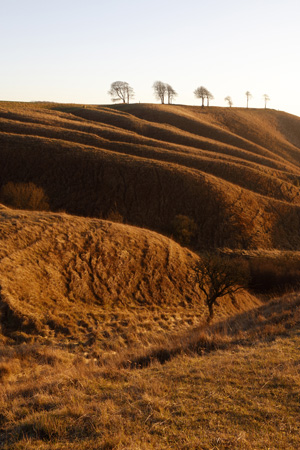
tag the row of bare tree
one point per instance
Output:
(121, 91)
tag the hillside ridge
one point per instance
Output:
(233, 172)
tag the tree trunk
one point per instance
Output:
(210, 315)
(210, 311)
(210, 303)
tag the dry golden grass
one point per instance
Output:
(103, 341)
(89, 281)
(24, 196)
(234, 172)
(229, 387)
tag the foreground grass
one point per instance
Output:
(241, 397)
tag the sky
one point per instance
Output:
(70, 51)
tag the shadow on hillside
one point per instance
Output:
(274, 318)
(263, 324)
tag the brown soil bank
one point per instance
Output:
(234, 173)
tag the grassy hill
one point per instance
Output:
(233, 172)
(86, 280)
(103, 336)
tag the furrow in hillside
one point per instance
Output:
(111, 126)
(160, 169)
(63, 276)
(94, 182)
(81, 266)
(279, 132)
(251, 176)
(163, 131)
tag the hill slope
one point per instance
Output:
(70, 276)
(97, 300)
(234, 172)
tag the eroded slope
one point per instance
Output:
(62, 274)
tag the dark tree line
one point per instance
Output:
(121, 91)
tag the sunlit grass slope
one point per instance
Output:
(60, 275)
(103, 338)
(234, 172)
(91, 280)
(232, 386)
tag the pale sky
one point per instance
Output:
(72, 50)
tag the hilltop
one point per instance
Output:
(233, 172)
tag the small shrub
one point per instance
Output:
(24, 196)
(184, 229)
(5, 370)
(115, 216)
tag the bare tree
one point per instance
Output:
(267, 99)
(209, 96)
(129, 92)
(249, 96)
(228, 99)
(160, 90)
(218, 276)
(171, 93)
(121, 91)
(201, 92)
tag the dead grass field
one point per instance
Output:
(103, 336)
(232, 386)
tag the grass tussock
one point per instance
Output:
(24, 196)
